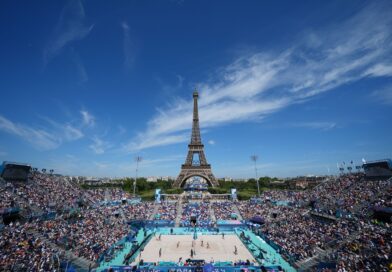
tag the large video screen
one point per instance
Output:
(16, 172)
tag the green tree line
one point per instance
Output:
(245, 189)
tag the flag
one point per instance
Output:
(363, 160)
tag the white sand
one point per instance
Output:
(220, 249)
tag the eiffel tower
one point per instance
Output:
(196, 162)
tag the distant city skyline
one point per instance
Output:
(303, 85)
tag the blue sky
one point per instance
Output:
(88, 85)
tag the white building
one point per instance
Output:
(152, 179)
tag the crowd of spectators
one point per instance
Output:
(370, 250)
(141, 210)
(357, 242)
(223, 210)
(48, 193)
(300, 235)
(198, 209)
(295, 232)
(348, 195)
(251, 208)
(21, 251)
(105, 194)
(283, 195)
(87, 230)
(88, 233)
(167, 211)
(7, 200)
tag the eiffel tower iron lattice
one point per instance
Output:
(196, 162)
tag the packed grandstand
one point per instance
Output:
(51, 224)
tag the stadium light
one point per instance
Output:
(137, 159)
(254, 158)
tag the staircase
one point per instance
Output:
(212, 213)
(155, 211)
(308, 263)
(82, 263)
(79, 262)
(179, 212)
(237, 211)
(321, 254)
(122, 214)
(73, 183)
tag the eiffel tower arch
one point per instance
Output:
(196, 162)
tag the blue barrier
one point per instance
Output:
(9, 211)
(160, 223)
(43, 216)
(207, 268)
(119, 202)
(325, 265)
(282, 203)
(229, 224)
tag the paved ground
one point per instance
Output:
(220, 249)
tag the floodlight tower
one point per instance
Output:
(254, 158)
(137, 159)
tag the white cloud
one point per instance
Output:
(87, 118)
(99, 146)
(316, 125)
(211, 142)
(68, 132)
(379, 70)
(71, 133)
(42, 138)
(70, 27)
(260, 83)
(156, 141)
